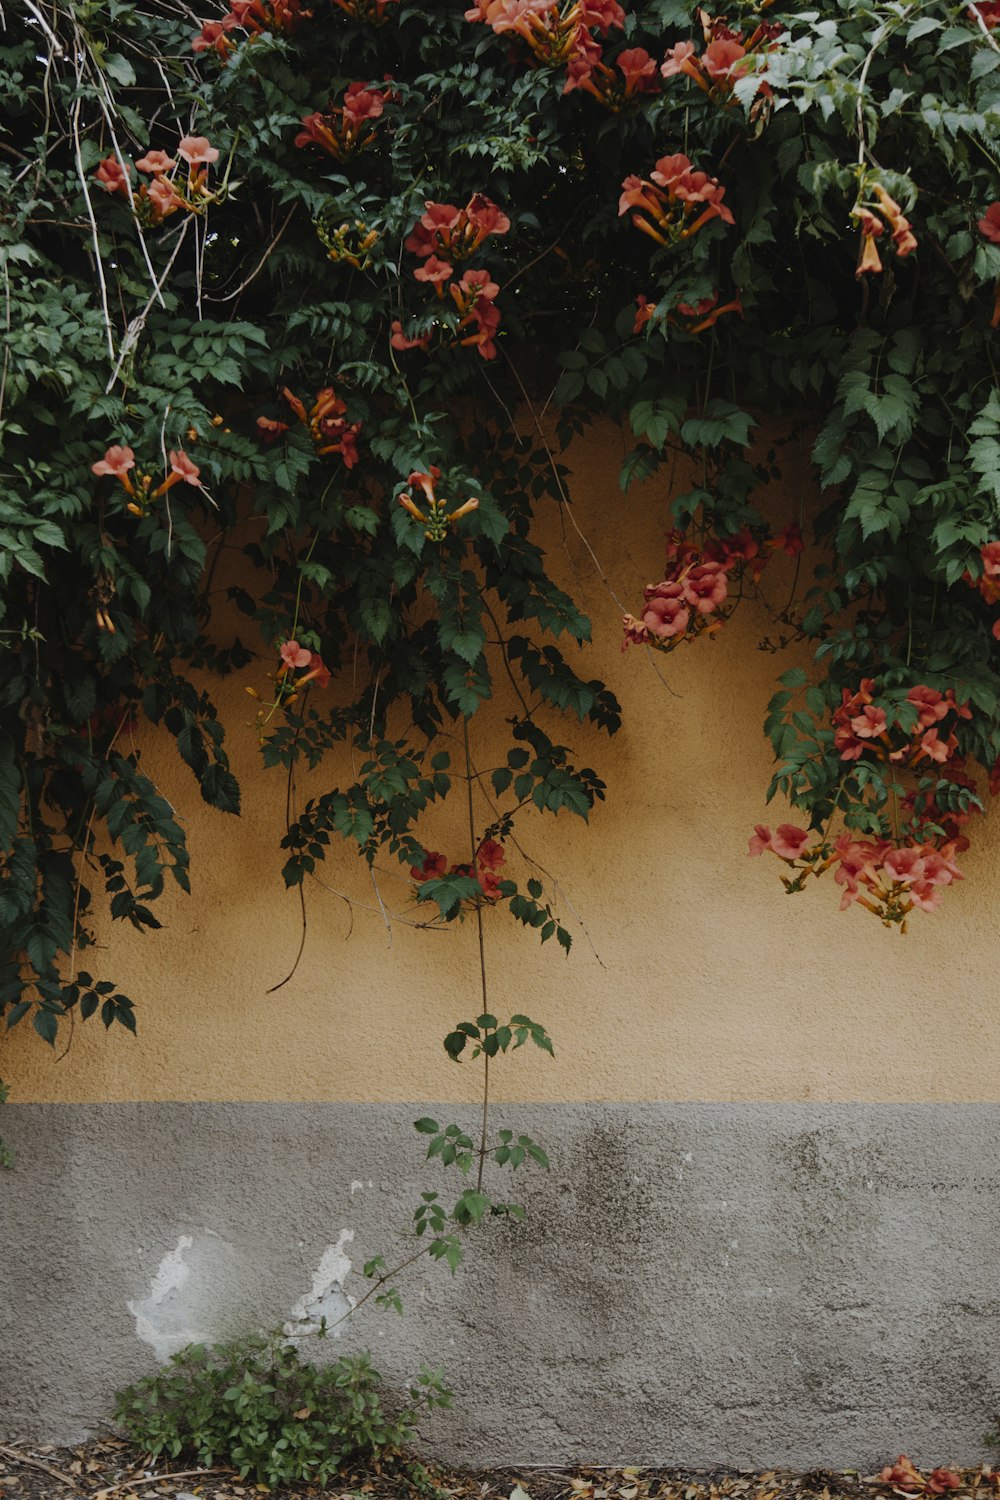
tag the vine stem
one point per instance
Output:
(71, 970)
(98, 262)
(482, 958)
(380, 1281)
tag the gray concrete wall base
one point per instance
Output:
(695, 1284)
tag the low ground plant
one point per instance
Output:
(256, 1405)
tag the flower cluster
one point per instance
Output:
(349, 242)
(692, 318)
(445, 234)
(871, 226)
(862, 728)
(119, 462)
(375, 12)
(326, 421)
(436, 518)
(344, 132)
(988, 582)
(489, 857)
(903, 1475)
(295, 658)
(559, 33)
(690, 600)
(632, 74)
(171, 188)
(676, 203)
(726, 56)
(252, 16)
(890, 876)
(297, 667)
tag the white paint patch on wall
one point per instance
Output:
(326, 1298)
(160, 1319)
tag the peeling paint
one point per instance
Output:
(162, 1306)
(193, 1294)
(326, 1298)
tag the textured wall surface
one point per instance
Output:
(770, 1230)
(756, 1283)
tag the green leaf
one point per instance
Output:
(47, 1025)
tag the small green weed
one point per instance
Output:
(257, 1405)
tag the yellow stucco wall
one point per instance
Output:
(703, 981)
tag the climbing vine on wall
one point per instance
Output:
(297, 279)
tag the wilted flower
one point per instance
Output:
(434, 866)
(112, 176)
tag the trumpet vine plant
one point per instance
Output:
(332, 284)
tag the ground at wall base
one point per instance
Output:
(108, 1469)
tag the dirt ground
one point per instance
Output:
(109, 1469)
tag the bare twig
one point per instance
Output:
(564, 497)
(258, 267)
(987, 33)
(36, 1463)
(93, 226)
(106, 100)
(135, 327)
(50, 36)
(131, 1484)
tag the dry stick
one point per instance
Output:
(53, 40)
(131, 1484)
(137, 324)
(93, 225)
(107, 102)
(36, 1463)
(985, 29)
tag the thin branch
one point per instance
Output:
(36, 1463)
(289, 810)
(259, 266)
(106, 100)
(564, 497)
(557, 886)
(135, 327)
(131, 1484)
(987, 33)
(50, 36)
(302, 943)
(473, 851)
(93, 227)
